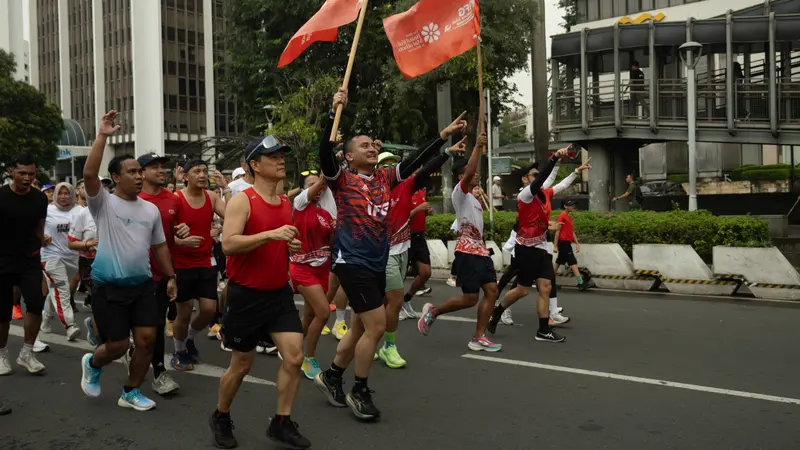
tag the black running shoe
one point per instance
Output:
(191, 349)
(582, 286)
(491, 326)
(332, 388)
(222, 427)
(4, 411)
(287, 435)
(550, 336)
(360, 401)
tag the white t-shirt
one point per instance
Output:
(497, 190)
(57, 227)
(469, 213)
(82, 229)
(126, 230)
(326, 202)
(238, 185)
(511, 243)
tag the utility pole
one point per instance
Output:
(541, 125)
(445, 117)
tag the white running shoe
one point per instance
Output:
(45, 328)
(558, 319)
(424, 291)
(40, 347)
(28, 361)
(223, 348)
(559, 309)
(164, 384)
(506, 318)
(72, 333)
(5, 364)
(266, 348)
(407, 312)
(451, 281)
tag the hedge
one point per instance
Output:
(702, 230)
(769, 172)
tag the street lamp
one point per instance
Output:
(269, 111)
(690, 53)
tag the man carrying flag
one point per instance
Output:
(322, 27)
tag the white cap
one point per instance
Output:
(238, 172)
(497, 179)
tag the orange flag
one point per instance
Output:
(323, 27)
(432, 32)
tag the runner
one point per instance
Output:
(418, 255)
(361, 247)
(314, 215)
(124, 297)
(83, 238)
(59, 261)
(257, 238)
(473, 262)
(154, 176)
(23, 212)
(562, 244)
(195, 266)
(400, 228)
(534, 261)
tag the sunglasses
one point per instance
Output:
(269, 142)
(306, 173)
(389, 165)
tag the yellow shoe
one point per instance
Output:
(169, 328)
(339, 330)
(212, 332)
(326, 331)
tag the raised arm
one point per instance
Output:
(551, 178)
(472, 165)
(91, 170)
(408, 166)
(424, 174)
(567, 182)
(535, 187)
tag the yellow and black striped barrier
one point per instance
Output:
(775, 286)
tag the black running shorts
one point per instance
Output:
(533, 263)
(27, 275)
(473, 272)
(119, 309)
(365, 289)
(565, 254)
(419, 253)
(252, 315)
(197, 283)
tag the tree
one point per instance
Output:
(513, 128)
(383, 103)
(28, 122)
(570, 8)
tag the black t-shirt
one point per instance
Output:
(19, 217)
(637, 80)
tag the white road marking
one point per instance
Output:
(205, 370)
(445, 318)
(614, 376)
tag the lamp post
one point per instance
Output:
(690, 53)
(269, 111)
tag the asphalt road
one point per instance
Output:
(637, 371)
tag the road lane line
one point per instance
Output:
(205, 370)
(614, 376)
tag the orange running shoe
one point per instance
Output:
(333, 307)
(17, 313)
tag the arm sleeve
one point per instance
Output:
(301, 201)
(551, 178)
(425, 172)
(565, 183)
(408, 166)
(527, 194)
(327, 157)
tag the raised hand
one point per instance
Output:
(480, 144)
(458, 126)
(459, 147)
(178, 173)
(340, 98)
(106, 126)
(219, 179)
(563, 152)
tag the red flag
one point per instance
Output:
(432, 32)
(323, 27)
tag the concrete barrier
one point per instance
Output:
(611, 268)
(768, 273)
(451, 250)
(440, 264)
(681, 269)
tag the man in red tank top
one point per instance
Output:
(195, 267)
(534, 261)
(257, 237)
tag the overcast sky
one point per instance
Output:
(522, 79)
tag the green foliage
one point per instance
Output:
(570, 9)
(769, 172)
(28, 122)
(678, 177)
(701, 229)
(512, 130)
(382, 102)
(563, 172)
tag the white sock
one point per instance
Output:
(553, 306)
(340, 315)
(193, 332)
(180, 346)
(4, 351)
(26, 348)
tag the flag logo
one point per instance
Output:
(430, 33)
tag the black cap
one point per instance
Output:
(150, 158)
(570, 203)
(191, 163)
(265, 145)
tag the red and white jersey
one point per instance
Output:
(314, 224)
(400, 217)
(469, 213)
(534, 218)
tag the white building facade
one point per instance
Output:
(12, 38)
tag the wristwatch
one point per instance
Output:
(171, 277)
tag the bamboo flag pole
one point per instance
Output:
(349, 70)
(481, 124)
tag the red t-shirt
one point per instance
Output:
(199, 221)
(267, 267)
(567, 232)
(418, 221)
(168, 206)
(315, 228)
(400, 213)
